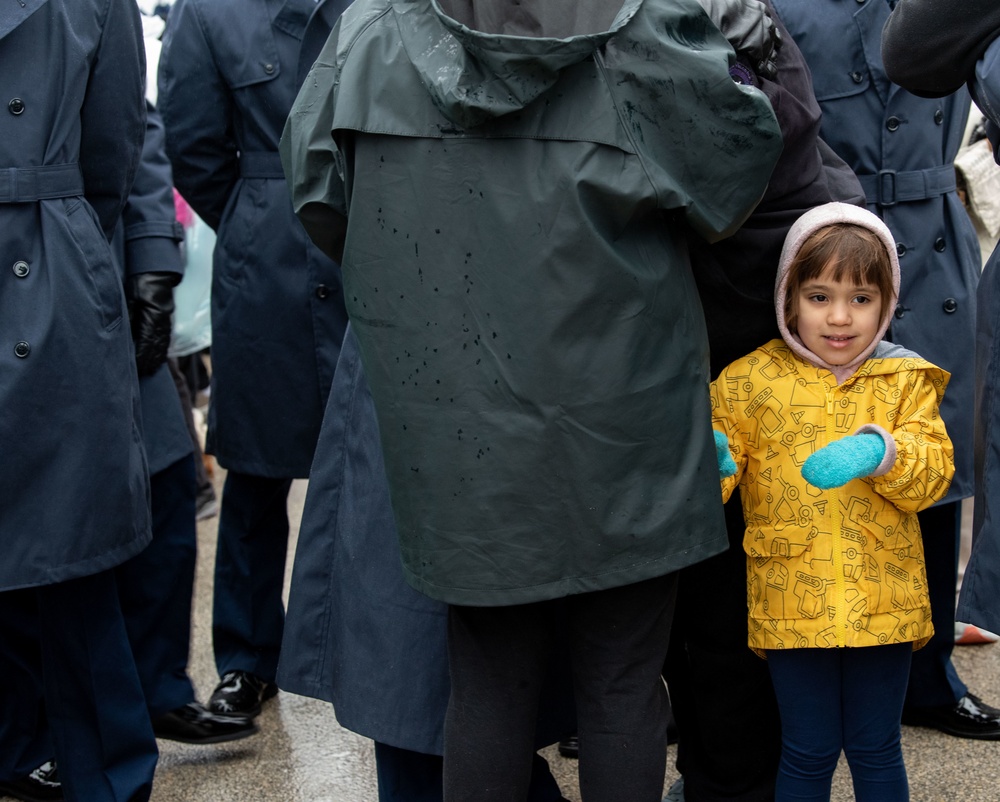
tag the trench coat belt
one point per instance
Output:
(30, 184)
(889, 187)
(261, 164)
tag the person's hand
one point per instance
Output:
(727, 467)
(849, 458)
(748, 26)
(151, 306)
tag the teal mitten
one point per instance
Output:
(726, 465)
(849, 458)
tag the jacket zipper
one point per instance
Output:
(840, 613)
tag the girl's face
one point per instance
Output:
(837, 319)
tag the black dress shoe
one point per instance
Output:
(193, 724)
(240, 693)
(970, 718)
(42, 785)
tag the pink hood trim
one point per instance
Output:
(811, 221)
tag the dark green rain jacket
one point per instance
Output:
(507, 193)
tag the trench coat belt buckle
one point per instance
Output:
(30, 184)
(889, 187)
(261, 164)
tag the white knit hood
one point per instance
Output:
(802, 229)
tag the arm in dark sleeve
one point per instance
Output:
(114, 114)
(152, 233)
(197, 110)
(930, 47)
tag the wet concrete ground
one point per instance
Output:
(303, 755)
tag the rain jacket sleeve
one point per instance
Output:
(311, 160)
(723, 420)
(112, 119)
(925, 458)
(930, 47)
(197, 110)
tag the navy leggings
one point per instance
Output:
(834, 700)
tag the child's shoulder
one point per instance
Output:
(891, 358)
(776, 349)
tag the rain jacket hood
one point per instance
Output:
(807, 225)
(480, 60)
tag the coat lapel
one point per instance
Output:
(14, 12)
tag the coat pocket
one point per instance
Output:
(104, 278)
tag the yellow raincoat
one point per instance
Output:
(840, 567)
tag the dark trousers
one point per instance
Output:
(497, 658)
(183, 390)
(64, 649)
(728, 727)
(841, 700)
(248, 615)
(933, 679)
(156, 588)
(407, 776)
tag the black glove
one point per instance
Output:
(748, 26)
(151, 306)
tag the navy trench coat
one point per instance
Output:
(75, 497)
(228, 75)
(907, 172)
(146, 241)
(932, 48)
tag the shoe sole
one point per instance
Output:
(974, 735)
(215, 739)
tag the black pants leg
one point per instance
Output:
(933, 679)
(497, 658)
(729, 731)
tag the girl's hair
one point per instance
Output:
(855, 253)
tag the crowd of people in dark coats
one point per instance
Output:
(476, 263)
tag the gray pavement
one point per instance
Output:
(303, 755)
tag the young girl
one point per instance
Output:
(837, 444)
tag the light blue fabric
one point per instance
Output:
(727, 467)
(849, 458)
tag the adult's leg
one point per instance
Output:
(807, 684)
(619, 641)
(933, 679)
(874, 685)
(728, 729)
(24, 738)
(204, 483)
(497, 658)
(104, 744)
(408, 776)
(248, 613)
(156, 588)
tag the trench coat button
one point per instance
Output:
(269, 68)
(939, 245)
(900, 249)
(901, 311)
(857, 76)
(20, 269)
(16, 106)
(322, 292)
(950, 306)
(892, 123)
(939, 116)
(22, 349)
